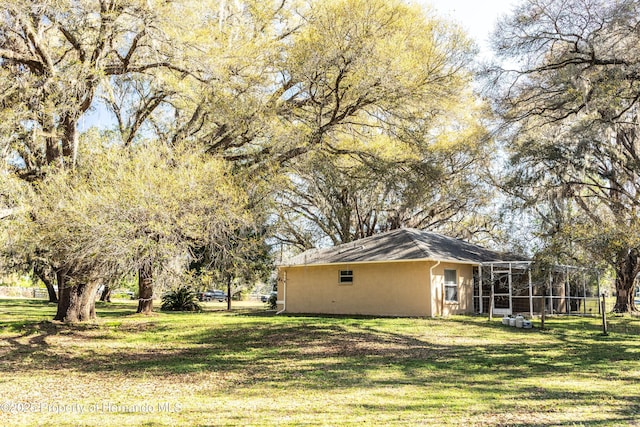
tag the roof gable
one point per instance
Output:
(405, 244)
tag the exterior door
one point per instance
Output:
(501, 295)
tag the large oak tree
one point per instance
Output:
(265, 85)
(145, 61)
(388, 131)
(122, 212)
(55, 57)
(569, 97)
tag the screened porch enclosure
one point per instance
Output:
(520, 288)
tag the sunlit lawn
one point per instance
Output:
(250, 367)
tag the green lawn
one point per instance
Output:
(250, 367)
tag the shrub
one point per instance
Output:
(183, 298)
(272, 301)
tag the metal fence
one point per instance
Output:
(18, 292)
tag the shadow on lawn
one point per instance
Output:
(30, 308)
(341, 352)
(333, 353)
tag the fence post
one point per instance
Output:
(530, 295)
(598, 279)
(544, 311)
(491, 303)
(584, 294)
(604, 315)
(567, 291)
(551, 294)
(480, 296)
(491, 295)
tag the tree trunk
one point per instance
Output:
(41, 273)
(626, 272)
(53, 297)
(229, 293)
(77, 303)
(106, 294)
(145, 291)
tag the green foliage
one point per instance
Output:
(272, 302)
(57, 56)
(244, 260)
(18, 280)
(215, 106)
(571, 113)
(183, 298)
(359, 193)
(393, 137)
(121, 210)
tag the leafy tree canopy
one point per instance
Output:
(569, 98)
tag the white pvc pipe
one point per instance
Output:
(432, 287)
(284, 294)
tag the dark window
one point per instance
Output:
(346, 276)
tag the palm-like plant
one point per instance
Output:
(184, 298)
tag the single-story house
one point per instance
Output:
(404, 272)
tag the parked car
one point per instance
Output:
(212, 296)
(266, 297)
(220, 296)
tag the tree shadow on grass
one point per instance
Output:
(313, 339)
(335, 353)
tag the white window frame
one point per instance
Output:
(450, 285)
(345, 277)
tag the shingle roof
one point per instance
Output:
(404, 244)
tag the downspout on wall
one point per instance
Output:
(431, 288)
(284, 293)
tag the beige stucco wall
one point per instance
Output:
(386, 289)
(465, 290)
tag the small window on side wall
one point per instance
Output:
(345, 277)
(451, 285)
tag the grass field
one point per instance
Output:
(249, 367)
